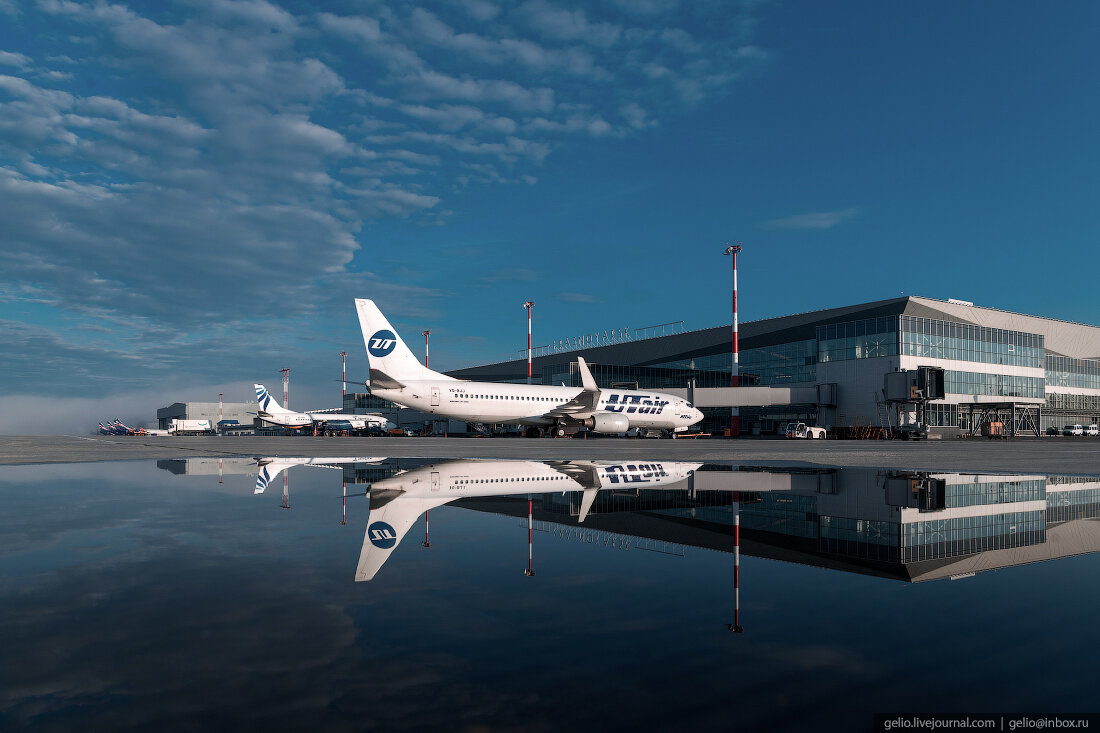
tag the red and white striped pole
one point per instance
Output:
(736, 625)
(286, 387)
(530, 570)
(426, 335)
(220, 407)
(735, 413)
(529, 305)
(344, 371)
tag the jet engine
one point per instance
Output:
(606, 422)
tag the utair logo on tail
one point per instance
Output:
(382, 343)
(382, 535)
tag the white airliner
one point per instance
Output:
(396, 375)
(397, 502)
(272, 412)
(268, 468)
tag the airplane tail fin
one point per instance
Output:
(386, 351)
(386, 528)
(268, 403)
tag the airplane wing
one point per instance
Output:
(587, 477)
(585, 403)
(387, 526)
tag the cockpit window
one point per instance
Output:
(689, 404)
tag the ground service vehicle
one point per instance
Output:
(1073, 430)
(190, 427)
(802, 430)
(1093, 429)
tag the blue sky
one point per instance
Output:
(192, 193)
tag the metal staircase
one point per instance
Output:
(884, 415)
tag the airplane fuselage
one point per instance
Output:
(523, 404)
(472, 478)
(307, 419)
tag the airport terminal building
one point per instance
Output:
(1027, 372)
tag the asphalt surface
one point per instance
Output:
(1054, 455)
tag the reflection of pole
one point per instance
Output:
(529, 305)
(735, 414)
(426, 542)
(736, 625)
(530, 570)
(286, 491)
(219, 470)
(345, 520)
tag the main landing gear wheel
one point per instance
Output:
(558, 431)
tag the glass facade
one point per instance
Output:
(994, 492)
(934, 339)
(1064, 506)
(1000, 385)
(865, 339)
(942, 415)
(781, 364)
(1062, 371)
(867, 538)
(940, 538)
(366, 401)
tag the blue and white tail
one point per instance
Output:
(386, 527)
(268, 403)
(387, 353)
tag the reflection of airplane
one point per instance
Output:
(396, 375)
(397, 502)
(270, 468)
(272, 412)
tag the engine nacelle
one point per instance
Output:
(606, 422)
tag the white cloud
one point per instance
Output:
(815, 220)
(165, 167)
(10, 58)
(578, 298)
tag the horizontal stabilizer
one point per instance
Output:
(381, 380)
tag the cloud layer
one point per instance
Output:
(166, 167)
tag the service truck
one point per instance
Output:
(190, 427)
(802, 430)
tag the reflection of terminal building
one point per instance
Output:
(896, 524)
(828, 367)
(906, 526)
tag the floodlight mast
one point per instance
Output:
(529, 305)
(735, 413)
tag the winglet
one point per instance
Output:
(587, 381)
(586, 502)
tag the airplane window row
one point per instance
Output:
(502, 480)
(506, 397)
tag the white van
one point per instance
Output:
(1073, 430)
(1093, 429)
